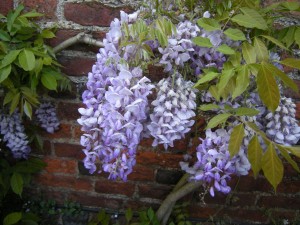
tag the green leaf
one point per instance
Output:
(275, 41)
(236, 139)
(285, 153)
(12, 218)
(27, 109)
(202, 42)
(255, 128)
(272, 166)
(243, 111)
(16, 182)
(9, 58)
(267, 88)
(291, 62)
(255, 153)
(292, 6)
(235, 59)
(243, 20)
(128, 215)
(297, 36)
(150, 214)
(225, 49)
(288, 39)
(285, 78)
(47, 34)
(206, 78)
(218, 119)
(213, 90)
(256, 18)
(32, 14)
(14, 103)
(224, 79)
(27, 60)
(208, 107)
(262, 52)
(4, 36)
(294, 150)
(235, 34)
(49, 81)
(249, 53)
(11, 17)
(242, 81)
(209, 24)
(8, 97)
(4, 73)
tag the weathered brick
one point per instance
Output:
(279, 202)
(240, 215)
(298, 110)
(46, 150)
(202, 212)
(164, 176)
(114, 187)
(64, 182)
(68, 111)
(77, 132)
(5, 6)
(61, 35)
(87, 199)
(153, 191)
(141, 173)
(68, 150)
(60, 166)
(168, 160)
(97, 14)
(48, 8)
(76, 66)
(249, 184)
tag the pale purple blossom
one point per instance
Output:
(47, 118)
(13, 133)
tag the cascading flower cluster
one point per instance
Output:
(173, 111)
(47, 118)
(116, 107)
(13, 132)
(214, 166)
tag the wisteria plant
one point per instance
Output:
(222, 60)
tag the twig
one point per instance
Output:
(79, 38)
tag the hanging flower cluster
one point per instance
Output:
(13, 132)
(173, 110)
(47, 118)
(214, 166)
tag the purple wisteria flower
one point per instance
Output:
(13, 133)
(179, 46)
(116, 107)
(214, 166)
(173, 110)
(47, 118)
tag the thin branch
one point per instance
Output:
(79, 38)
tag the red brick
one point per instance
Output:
(63, 132)
(62, 35)
(141, 173)
(68, 150)
(249, 184)
(68, 111)
(168, 160)
(76, 66)
(154, 191)
(46, 149)
(202, 212)
(77, 132)
(5, 6)
(114, 187)
(88, 199)
(64, 182)
(95, 13)
(48, 8)
(61, 166)
(243, 215)
(279, 202)
(292, 94)
(298, 110)
(242, 199)
(156, 73)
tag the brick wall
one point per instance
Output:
(156, 170)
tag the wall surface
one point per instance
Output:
(157, 170)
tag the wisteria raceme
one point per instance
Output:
(14, 136)
(173, 110)
(214, 166)
(116, 106)
(47, 118)
(179, 46)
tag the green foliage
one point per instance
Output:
(27, 65)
